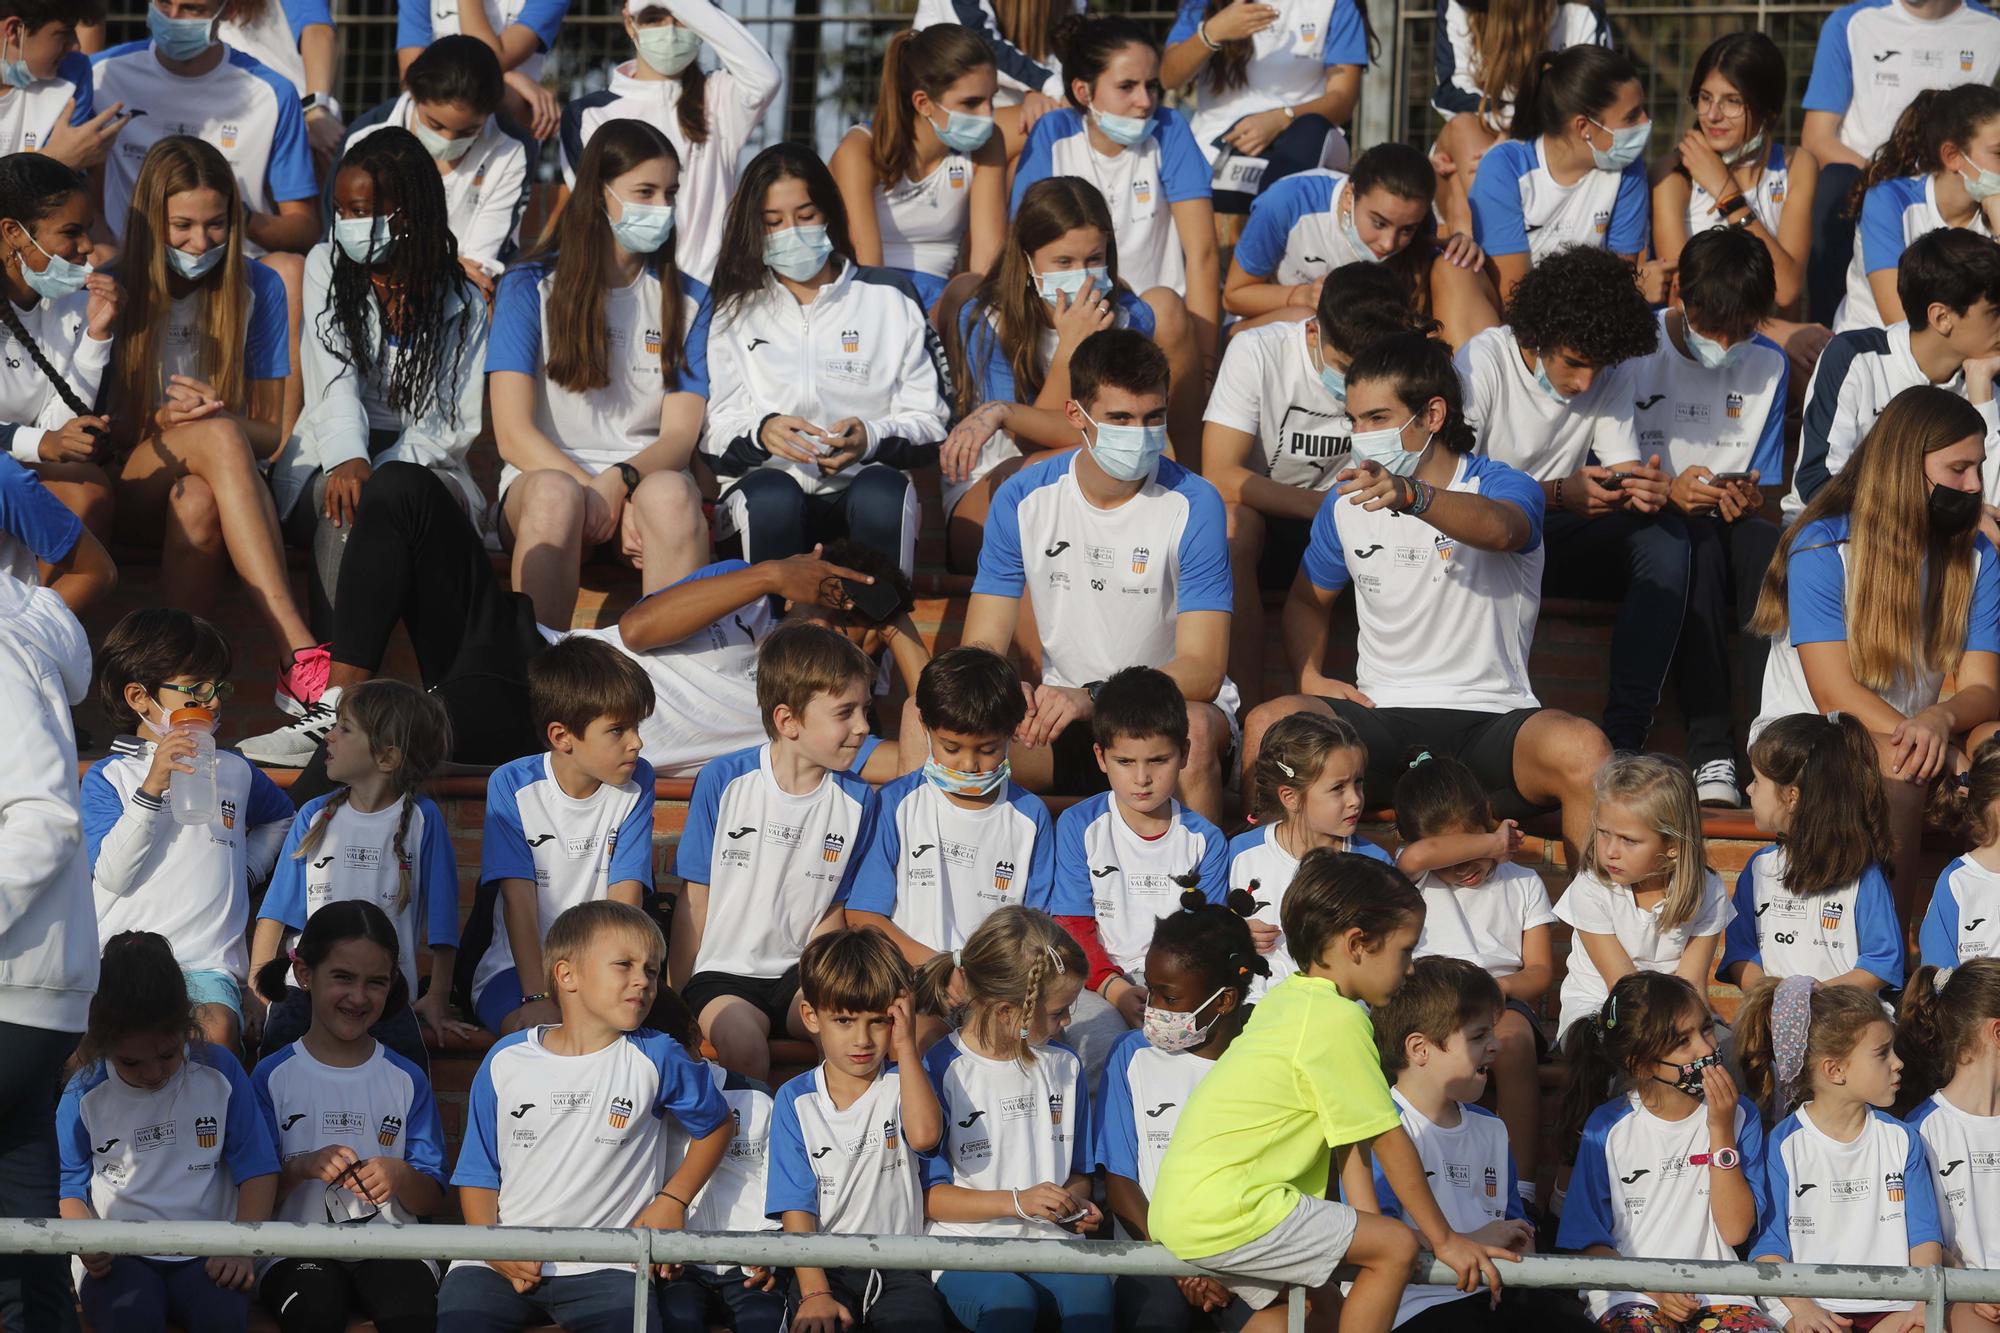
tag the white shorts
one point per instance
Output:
(1301, 1251)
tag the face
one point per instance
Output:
(1570, 373)
(854, 1043)
(63, 232)
(1956, 468)
(1974, 334)
(147, 1061)
(448, 120)
(786, 204)
(350, 755)
(1980, 151)
(968, 752)
(1871, 1070)
(1466, 874)
(1142, 770)
(349, 987)
(1126, 87)
(1387, 223)
(1721, 114)
(42, 49)
(1058, 997)
(1366, 970)
(355, 196)
(1114, 406)
(1694, 1039)
(181, 690)
(830, 730)
(607, 751)
(1463, 1062)
(1331, 806)
(197, 220)
(615, 980)
(1178, 989)
(1373, 405)
(656, 182)
(1628, 848)
(1771, 805)
(971, 95)
(1627, 108)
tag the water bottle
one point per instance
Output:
(193, 794)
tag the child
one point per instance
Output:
(48, 75)
(378, 1158)
(1963, 921)
(1308, 795)
(160, 1125)
(1816, 902)
(552, 1163)
(1830, 1048)
(871, 1101)
(770, 846)
(1198, 978)
(1124, 856)
(189, 883)
(570, 826)
(992, 840)
(1014, 1161)
(375, 840)
(1946, 1039)
(1654, 1045)
(1645, 898)
(1306, 1071)
(1480, 906)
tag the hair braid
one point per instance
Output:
(317, 833)
(41, 360)
(1031, 1003)
(402, 855)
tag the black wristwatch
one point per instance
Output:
(632, 477)
(1091, 687)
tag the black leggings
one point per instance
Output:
(34, 1289)
(322, 1295)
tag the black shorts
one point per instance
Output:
(774, 997)
(1527, 1011)
(1073, 756)
(1284, 549)
(1483, 742)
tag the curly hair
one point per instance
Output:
(1587, 302)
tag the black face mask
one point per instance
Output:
(1690, 1075)
(1953, 512)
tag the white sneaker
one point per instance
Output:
(1715, 784)
(294, 746)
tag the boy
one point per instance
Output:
(958, 838)
(872, 1103)
(569, 826)
(565, 1127)
(190, 883)
(770, 846)
(51, 109)
(1124, 858)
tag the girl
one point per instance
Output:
(1941, 168)
(1948, 1038)
(1654, 1045)
(1644, 899)
(1829, 1051)
(1574, 172)
(1815, 902)
(1307, 783)
(597, 425)
(1024, 1176)
(1199, 971)
(450, 98)
(1055, 282)
(829, 380)
(181, 1141)
(1480, 906)
(200, 389)
(708, 115)
(919, 193)
(393, 353)
(1963, 920)
(380, 1163)
(378, 840)
(1887, 550)
(1023, 37)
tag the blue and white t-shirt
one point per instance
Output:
(1827, 1202)
(572, 850)
(1139, 1101)
(34, 525)
(357, 857)
(1269, 388)
(1455, 56)
(1519, 208)
(29, 116)
(267, 348)
(1963, 920)
(1731, 419)
(1819, 935)
(1638, 1189)
(733, 1198)
(421, 22)
(1294, 235)
(580, 1140)
(1875, 56)
(273, 37)
(1962, 1150)
(1262, 868)
(1008, 1124)
(773, 862)
(922, 223)
(852, 1170)
(1140, 185)
(1472, 1176)
(1893, 214)
(1106, 584)
(1287, 65)
(1107, 869)
(938, 869)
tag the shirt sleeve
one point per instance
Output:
(1203, 583)
(1234, 401)
(1117, 1146)
(1920, 1202)
(30, 512)
(694, 858)
(1001, 570)
(303, 14)
(1750, 1143)
(864, 832)
(1184, 172)
(1776, 1237)
(479, 1152)
(687, 1090)
(692, 374)
(1583, 906)
(503, 846)
(1831, 87)
(285, 896)
(1739, 941)
(1498, 223)
(267, 342)
(1828, 419)
(1069, 894)
(73, 1144)
(1631, 213)
(501, 203)
(516, 341)
(289, 172)
(1325, 564)
(1937, 938)
(1037, 159)
(1186, 19)
(875, 867)
(1273, 214)
(1042, 862)
(1816, 593)
(437, 863)
(1768, 460)
(790, 1185)
(248, 1144)
(541, 17)
(1083, 1133)
(1498, 481)
(1982, 627)
(423, 1129)
(1215, 865)
(1346, 35)
(413, 24)
(632, 858)
(1880, 231)
(1879, 930)
(75, 68)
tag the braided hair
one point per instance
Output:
(1007, 963)
(422, 267)
(32, 186)
(1213, 941)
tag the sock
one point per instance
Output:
(1529, 1189)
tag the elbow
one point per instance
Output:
(1201, 683)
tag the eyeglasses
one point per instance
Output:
(202, 692)
(1729, 106)
(347, 1202)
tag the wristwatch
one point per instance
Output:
(320, 102)
(1289, 113)
(632, 478)
(1722, 1159)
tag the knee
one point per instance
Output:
(1576, 748)
(398, 484)
(1264, 715)
(195, 512)
(669, 495)
(1245, 527)
(1208, 735)
(1171, 326)
(550, 500)
(1517, 1043)
(213, 441)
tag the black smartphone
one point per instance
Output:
(1724, 478)
(873, 602)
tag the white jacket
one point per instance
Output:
(48, 926)
(864, 348)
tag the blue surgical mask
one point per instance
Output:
(14, 73)
(668, 48)
(963, 133)
(439, 147)
(1123, 130)
(1127, 453)
(1627, 146)
(1712, 354)
(1353, 234)
(1072, 281)
(58, 278)
(1335, 381)
(179, 39)
(797, 252)
(192, 267)
(953, 782)
(1542, 379)
(1385, 448)
(641, 228)
(364, 240)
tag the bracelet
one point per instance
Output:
(537, 997)
(669, 1194)
(1731, 204)
(1743, 220)
(1558, 497)
(1422, 500)
(1017, 1206)
(1201, 31)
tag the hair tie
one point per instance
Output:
(1962, 782)
(1055, 959)
(1791, 1024)
(1243, 902)
(1611, 1013)
(292, 954)
(1940, 979)
(1193, 900)
(958, 958)
(1423, 757)
(1833, 715)
(1284, 768)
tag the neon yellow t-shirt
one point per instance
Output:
(1302, 1078)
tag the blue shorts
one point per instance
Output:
(212, 986)
(929, 286)
(502, 996)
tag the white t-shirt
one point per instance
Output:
(29, 404)
(1963, 920)
(1294, 234)
(1726, 420)
(267, 353)
(1269, 388)
(485, 191)
(1471, 1173)
(1263, 869)
(1287, 65)
(1520, 424)
(733, 1198)
(421, 22)
(1128, 882)
(1875, 56)
(1590, 904)
(853, 1170)
(1486, 923)
(1519, 208)
(273, 37)
(1139, 1104)
(1821, 935)
(1962, 1150)
(1008, 1124)
(1456, 57)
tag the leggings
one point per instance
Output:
(1300, 146)
(322, 1295)
(34, 1289)
(775, 518)
(1021, 1302)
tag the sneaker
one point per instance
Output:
(294, 746)
(1715, 784)
(302, 683)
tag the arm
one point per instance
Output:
(1201, 652)
(986, 224)
(816, 1299)
(669, 1207)
(853, 168)
(1128, 1202)
(501, 203)
(1607, 954)
(1307, 622)
(295, 226)
(1537, 967)
(915, 954)
(1508, 270)
(1820, 136)
(1225, 452)
(84, 575)
(684, 943)
(755, 76)
(524, 932)
(122, 837)
(990, 621)
(1670, 203)
(1795, 228)
(1697, 962)
(1404, 1171)
(1194, 220)
(1882, 282)
(923, 1117)
(1450, 849)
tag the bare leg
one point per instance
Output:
(1517, 1092)
(1208, 745)
(673, 538)
(740, 1034)
(1246, 620)
(965, 527)
(1556, 758)
(84, 490)
(1177, 333)
(543, 514)
(1906, 820)
(1466, 139)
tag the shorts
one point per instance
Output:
(1527, 1011)
(773, 997)
(502, 996)
(1284, 550)
(213, 986)
(1301, 1251)
(1483, 742)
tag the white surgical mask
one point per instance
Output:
(1072, 281)
(1710, 353)
(439, 147)
(641, 228)
(1627, 145)
(1122, 130)
(797, 252)
(364, 240)
(1385, 448)
(192, 267)
(1126, 453)
(668, 48)
(56, 279)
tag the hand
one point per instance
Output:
(1809, 1316)
(603, 507)
(100, 315)
(1919, 745)
(328, 1164)
(1656, 280)
(1044, 1202)
(1055, 707)
(343, 491)
(1980, 372)
(1903, 1321)
(807, 580)
(819, 1311)
(1705, 166)
(1443, 163)
(1676, 1307)
(1203, 1293)
(1692, 492)
(477, 275)
(1990, 1313)
(1131, 1005)
(1718, 1091)
(1253, 134)
(78, 440)
(760, 1279)
(1245, 18)
(1741, 497)
(96, 1265)
(382, 1179)
(84, 146)
(1374, 487)
(1306, 295)
(1263, 935)
(544, 115)
(433, 1011)
(663, 1213)
(1034, 106)
(524, 1274)
(1589, 492)
(1506, 840)
(186, 399)
(324, 133)
(1509, 1233)
(538, 1014)
(1646, 487)
(169, 756)
(1077, 317)
(1461, 251)
(793, 439)
(903, 1029)
(231, 1273)
(961, 449)
(1473, 1262)
(1326, 687)
(847, 440)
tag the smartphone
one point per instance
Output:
(873, 602)
(1619, 480)
(1724, 478)
(1076, 1216)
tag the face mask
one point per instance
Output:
(439, 147)
(365, 240)
(1688, 1076)
(1710, 353)
(963, 133)
(641, 228)
(179, 39)
(1745, 149)
(195, 266)
(14, 73)
(952, 782)
(1122, 130)
(1953, 512)
(1354, 240)
(58, 278)
(1626, 146)
(668, 47)
(1542, 380)
(797, 252)
(1127, 453)
(1072, 281)
(1335, 381)
(1385, 447)
(1982, 186)
(1167, 1031)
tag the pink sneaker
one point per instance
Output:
(301, 684)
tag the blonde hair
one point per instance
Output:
(1661, 794)
(573, 933)
(1007, 964)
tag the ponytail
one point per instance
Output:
(1934, 118)
(1938, 1025)
(1607, 1050)
(931, 60)
(1562, 85)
